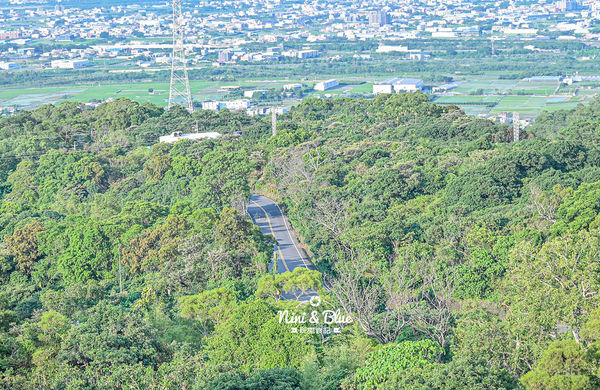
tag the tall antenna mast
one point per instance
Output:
(179, 93)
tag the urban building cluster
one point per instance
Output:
(234, 31)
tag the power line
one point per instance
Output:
(7, 157)
(66, 148)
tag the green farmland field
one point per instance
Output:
(468, 100)
(478, 94)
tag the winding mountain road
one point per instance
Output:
(267, 215)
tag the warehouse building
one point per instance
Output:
(325, 85)
(398, 85)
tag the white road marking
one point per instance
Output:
(274, 236)
(290, 236)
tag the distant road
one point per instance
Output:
(267, 215)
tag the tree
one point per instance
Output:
(559, 278)
(24, 245)
(209, 308)
(23, 189)
(157, 166)
(563, 366)
(298, 282)
(275, 378)
(224, 176)
(579, 209)
(569, 364)
(110, 337)
(232, 228)
(454, 375)
(413, 293)
(433, 315)
(359, 292)
(481, 333)
(546, 205)
(387, 360)
(88, 254)
(247, 338)
(154, 247)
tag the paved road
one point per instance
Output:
(267, 215)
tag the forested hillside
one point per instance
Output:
(466, 261)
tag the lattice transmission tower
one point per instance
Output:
(179, 92)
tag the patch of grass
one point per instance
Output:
(363, 88)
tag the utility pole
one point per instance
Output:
(516, 126)
(120, 273)
(179, 92)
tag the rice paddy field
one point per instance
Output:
(465, 100)
(476, 95)
(153, 92)
(490, 95)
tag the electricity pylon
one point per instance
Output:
(179, 93)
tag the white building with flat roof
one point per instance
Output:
(233, 105)
(325, 85)
(302, 54)
(9, 65)
(212, 105)
(68, 64)
(391, 49)
(398, 85)
(178, 136)
(291, 87)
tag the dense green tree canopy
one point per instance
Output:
(465, 261)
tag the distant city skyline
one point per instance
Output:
(294, 42)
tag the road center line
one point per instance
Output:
(273, 233)
(290, 235)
